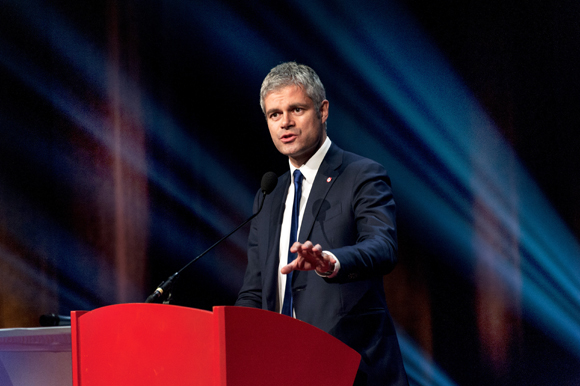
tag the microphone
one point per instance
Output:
(269, 182)
(48, 320)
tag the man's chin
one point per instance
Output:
(287, 149)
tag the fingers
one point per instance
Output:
(306, 249)
(288, 268)
(308, 257)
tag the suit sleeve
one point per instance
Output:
(372, 211)
(250, 294)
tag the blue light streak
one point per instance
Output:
(186, 244)
(446, 154)
(419, 366)
(466, 160)
(212, 172)
(45, 238)
(85, 59)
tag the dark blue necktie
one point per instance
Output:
(287, 306)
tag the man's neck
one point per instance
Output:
(316, 159)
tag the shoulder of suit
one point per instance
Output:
(350, 158)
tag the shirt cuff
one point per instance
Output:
(336, 266)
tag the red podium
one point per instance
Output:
(155, 344)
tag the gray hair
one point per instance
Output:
(292, 73)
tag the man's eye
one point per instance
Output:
(298, 109)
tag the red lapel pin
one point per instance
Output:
(329, 179)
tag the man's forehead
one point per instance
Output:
(287, 90)
(283, 87)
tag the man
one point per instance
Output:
(340, 209)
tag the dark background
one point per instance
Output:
(131, 139)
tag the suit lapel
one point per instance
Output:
(277, 200)
(323, 182)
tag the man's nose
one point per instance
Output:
(287, 120)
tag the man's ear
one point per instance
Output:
(323, 111)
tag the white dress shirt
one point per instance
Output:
(309, 171)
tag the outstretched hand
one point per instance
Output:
(309, 257)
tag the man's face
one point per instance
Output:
(296, 128)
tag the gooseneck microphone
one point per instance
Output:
(47, 320)
(269, 181)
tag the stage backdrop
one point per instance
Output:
(131, 139)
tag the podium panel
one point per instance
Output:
(35, 356)
(265, 348)
(155, 344)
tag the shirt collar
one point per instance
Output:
(310, 168)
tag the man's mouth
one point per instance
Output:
(288, 138)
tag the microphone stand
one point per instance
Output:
(163, 290)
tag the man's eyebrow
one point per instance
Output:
(301, 105)
(291, 107)
(268, 112)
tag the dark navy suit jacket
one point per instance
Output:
(351, 213)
